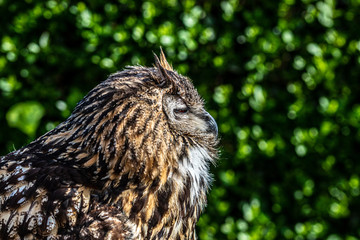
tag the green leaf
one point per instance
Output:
(25, 116)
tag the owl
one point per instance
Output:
(131, 162)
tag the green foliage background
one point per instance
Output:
(280, 77)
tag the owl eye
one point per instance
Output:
(181, 110)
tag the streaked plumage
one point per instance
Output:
(131, 162)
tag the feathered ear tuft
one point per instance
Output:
(164, 62)
(163, 66)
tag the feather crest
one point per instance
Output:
(163, 67)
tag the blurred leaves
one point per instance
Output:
(25, 116)
(280, 78)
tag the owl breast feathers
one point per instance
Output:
(131, 162)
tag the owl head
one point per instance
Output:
(140, 121)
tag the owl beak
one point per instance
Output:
(212, 126)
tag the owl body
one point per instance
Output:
(131, 162)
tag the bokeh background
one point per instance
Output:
(282, 79)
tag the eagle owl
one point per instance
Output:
(131, 162)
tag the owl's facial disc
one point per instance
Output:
(188, 119)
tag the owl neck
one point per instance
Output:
(166, 209)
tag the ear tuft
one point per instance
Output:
(164, 62)
(163, 66)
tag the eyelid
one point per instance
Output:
(181, 110)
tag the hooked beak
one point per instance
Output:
(212, 126)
